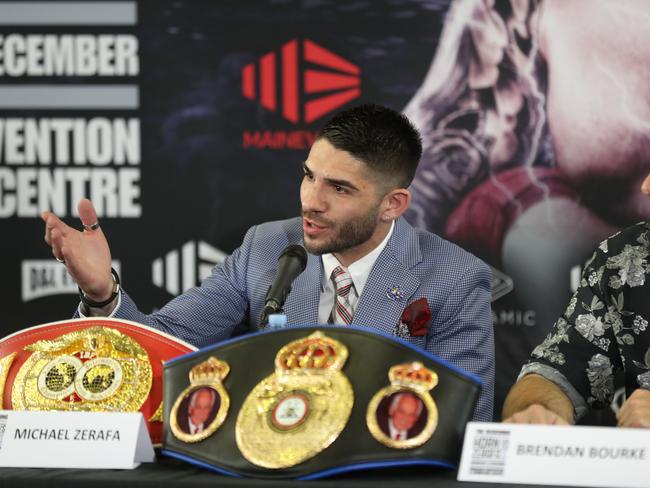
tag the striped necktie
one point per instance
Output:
(342, 311)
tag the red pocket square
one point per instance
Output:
(417, 317)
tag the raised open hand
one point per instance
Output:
(85, 253)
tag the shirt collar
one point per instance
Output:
(394, 430)
(360, 269)
(192, 426)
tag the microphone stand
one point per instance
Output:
(271, 307)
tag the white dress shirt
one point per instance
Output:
(359, 272)
(395, 433)
(194, 429)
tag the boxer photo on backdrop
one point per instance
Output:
(534, 117)
(365, 265)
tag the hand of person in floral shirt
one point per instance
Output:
(635, 412)
(544, 403)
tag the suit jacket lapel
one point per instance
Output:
(377, 308)
(301, 307)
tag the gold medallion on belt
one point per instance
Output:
(202, 407)
(403, 415)
(299, 410)
(95, 369)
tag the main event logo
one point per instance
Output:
(303, 81)
(184, 268)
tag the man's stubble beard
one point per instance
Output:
(350, 234)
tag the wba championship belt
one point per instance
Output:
(308, 402)
(88, 365)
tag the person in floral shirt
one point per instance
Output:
(604, 331)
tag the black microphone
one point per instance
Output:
(292, 262)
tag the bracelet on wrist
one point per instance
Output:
(116, 290)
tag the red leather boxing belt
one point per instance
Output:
(89, 364)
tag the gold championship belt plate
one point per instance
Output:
(88, 365)
(299, 410)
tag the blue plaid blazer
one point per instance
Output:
(455, 283)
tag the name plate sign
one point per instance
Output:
(556, 455)
(95, 440)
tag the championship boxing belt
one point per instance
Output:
(309, 402)
(88, 365)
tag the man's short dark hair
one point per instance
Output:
(380, 137)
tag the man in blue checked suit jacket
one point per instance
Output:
(400, 280)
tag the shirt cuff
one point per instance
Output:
(580, 407)
(107, 311)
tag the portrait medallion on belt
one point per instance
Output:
(298, 411)
(95, 369)
(403, 415)
(202, 407)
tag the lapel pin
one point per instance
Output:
(394, 293)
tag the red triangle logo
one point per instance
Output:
(303, 80)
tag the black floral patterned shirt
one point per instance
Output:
(604, 330)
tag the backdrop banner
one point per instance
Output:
(186, 122)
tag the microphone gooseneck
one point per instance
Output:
(291, 263)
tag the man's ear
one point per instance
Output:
(395, 204)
